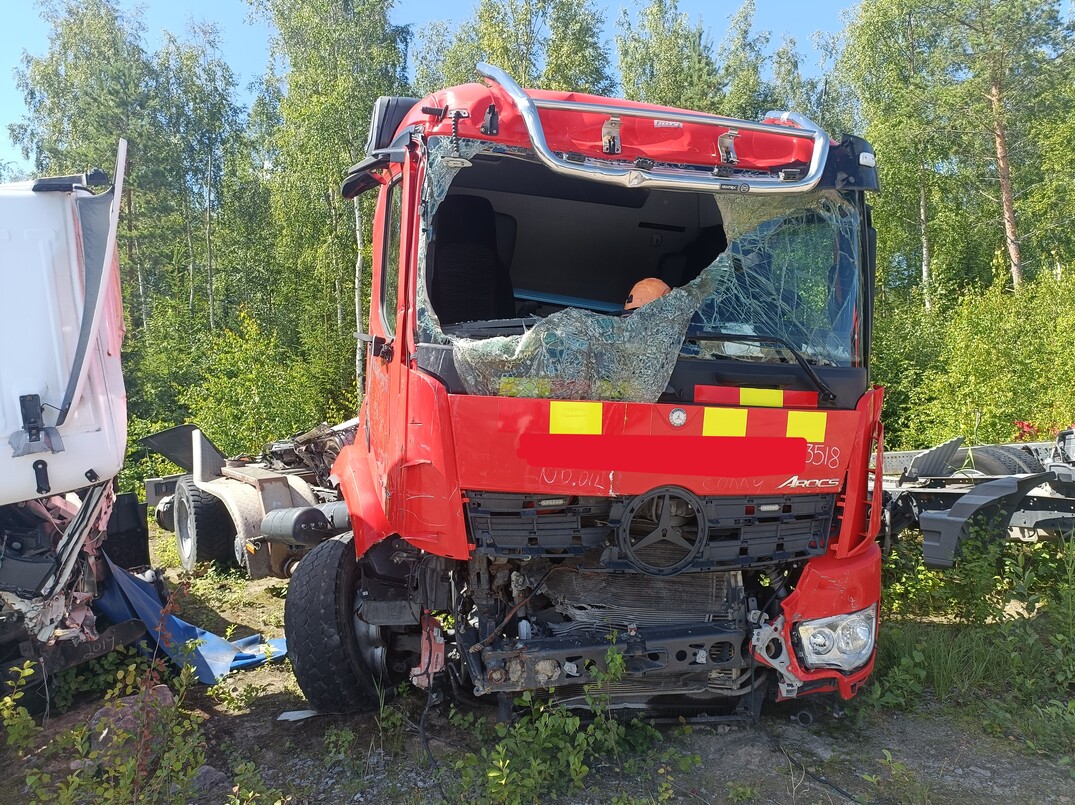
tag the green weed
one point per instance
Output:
(154, 762)
(19, 726)
(741, 792)
(236, 698)
(547, 750)
(251, 789)
(114, 674)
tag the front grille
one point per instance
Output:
(740, 532)
(505, 524)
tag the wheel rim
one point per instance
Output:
(184, 528)
(387, 664)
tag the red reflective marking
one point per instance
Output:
(717, 395)
(800, 399)
(716, 456)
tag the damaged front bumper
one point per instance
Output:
(710, 653)
(840, 596)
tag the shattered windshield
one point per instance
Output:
(525, 277)
(791, 272)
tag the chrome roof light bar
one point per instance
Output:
(665, 178)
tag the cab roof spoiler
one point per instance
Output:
(662, 177)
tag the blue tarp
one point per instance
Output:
(126, 596)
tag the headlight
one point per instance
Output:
(842, 641)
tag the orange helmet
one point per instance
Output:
(644, 292)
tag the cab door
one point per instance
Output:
(388, 344)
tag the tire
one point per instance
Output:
(204, 531)
(1028, 462)
(987, 460)
(342, 663)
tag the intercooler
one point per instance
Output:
(616, 600)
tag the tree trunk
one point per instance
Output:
(190, 247)
(922, 220)
(209, 240)
(1007, 195)
(132, 259)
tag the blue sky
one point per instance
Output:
(246, 40)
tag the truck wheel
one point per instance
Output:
(341, 662)
(204, 531)
(987, 460)
(1027, 462)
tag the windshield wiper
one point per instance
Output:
(823, 389)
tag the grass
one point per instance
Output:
(993, 640)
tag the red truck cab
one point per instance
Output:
(543, 473)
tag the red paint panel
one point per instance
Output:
(717, 395)
(729, 395)
(714, 456)
(360, 493)
(833, 586)
(581, 131)
(488, 434)
(800, 399)
(768, 422)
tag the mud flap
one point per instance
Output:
(993, 502)
(128, 533)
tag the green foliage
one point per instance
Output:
(254, 390)
(1002, 353)
(898, 783)
(19, 726)
(663, 59)
(340, 742)
(1011, 662)
(141, 462)
(251, 789)
(743, 59)
(546, 750)
(156, 762)
(956, 211)
(235, 697)
(552, 44)
(741, 792)
(115, 674)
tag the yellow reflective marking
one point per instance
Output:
(724, 422)
(762, 398)
(809, 425)
(575, 417)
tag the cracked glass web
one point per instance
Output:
(790, 272)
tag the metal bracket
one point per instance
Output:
(995, 501)
(610, 135)
(30, 407)
(726, 147)
(760, 639)
(34, 437)
(491, 124)
(41, 474)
